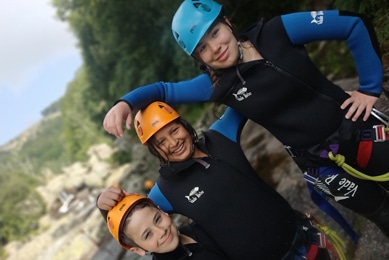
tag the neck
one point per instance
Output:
(197, 153)
(184, 239)
(249, 53)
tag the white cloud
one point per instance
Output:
(30, 37)
(38, 58)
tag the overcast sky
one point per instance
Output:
(38, 58)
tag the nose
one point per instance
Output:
(172, 142)
(215, 46)
(161, 231)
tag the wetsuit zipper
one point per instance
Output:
(278, 69)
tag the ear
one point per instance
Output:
(138, 250)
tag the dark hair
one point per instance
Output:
(152, 146)
(123, 238)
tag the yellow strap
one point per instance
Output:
(335, 240)
(340, 161)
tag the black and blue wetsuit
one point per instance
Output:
(222, 193)
(287, 94)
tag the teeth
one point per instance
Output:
(179, 148)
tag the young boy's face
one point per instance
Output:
(153, 230)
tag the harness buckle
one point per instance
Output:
(380, 134)
(309, 178)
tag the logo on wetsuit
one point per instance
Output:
(318, 17)
(241, 94)
(338, 189)
(194, 194)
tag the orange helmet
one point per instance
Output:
(151, 119)
(116, 216)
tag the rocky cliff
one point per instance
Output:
(73, 228)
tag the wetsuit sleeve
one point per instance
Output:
(230, 124)
(305, 27)
(198, 89)
(159, 199)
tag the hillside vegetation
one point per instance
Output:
(126, 44)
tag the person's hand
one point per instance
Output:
(359, 103)
(110, 197)
(113, 121)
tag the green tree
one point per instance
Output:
(79, 132)
(21, 206)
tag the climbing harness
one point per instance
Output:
(311, 237)
(378, 133)
(319, 196)
(334, 242)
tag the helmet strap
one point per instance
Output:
(192, 150)
(205, 68)
(240, 51)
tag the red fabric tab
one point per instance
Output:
(364, 152)
(312, 252)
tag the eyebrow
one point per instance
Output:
(155, 216)
(173, 128)
(208, 32)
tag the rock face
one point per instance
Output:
(74, 229)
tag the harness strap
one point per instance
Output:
(379, 133)
(310, 176)
(334, 242)
(308, 241)
(364, 153)
(330, 210)
(312, 252)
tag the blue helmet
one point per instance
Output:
(192, 20)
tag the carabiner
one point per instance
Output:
(380, 116)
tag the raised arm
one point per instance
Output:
(305, 27)
(198, 89)
(108, 199)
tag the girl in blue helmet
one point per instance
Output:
(337, 138)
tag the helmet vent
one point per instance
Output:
(139, 128)
(167, 109)
(202, 7)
